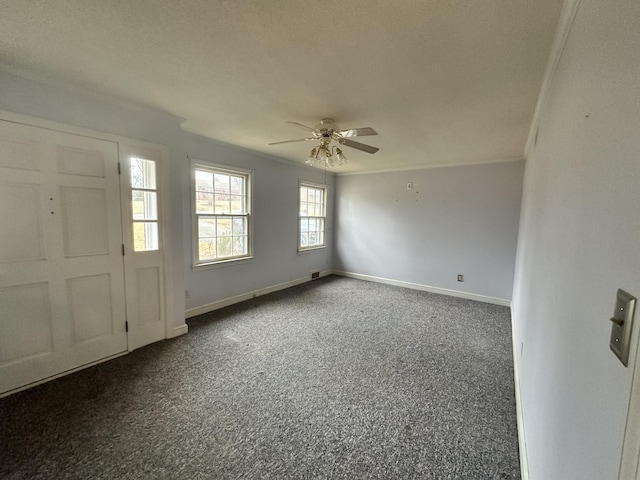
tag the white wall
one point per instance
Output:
(579, 242)
(275, 223)
(275, 192)
(455, 220)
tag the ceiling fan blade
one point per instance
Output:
(358, 145)
(357, 132)
(292, 141)
(308, 129)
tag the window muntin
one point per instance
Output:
(221, 214)
(144, 205)
(312, 218)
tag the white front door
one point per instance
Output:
(62, 293)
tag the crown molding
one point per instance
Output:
(567, 16)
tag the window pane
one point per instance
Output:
(204, 202)
(304, 242)
(145, 236)
(206, 227)
(221, 183)
(204, 181)
(237, 185)
(239, 226)
(240, 245)
(237, 204)
(225, 246)
(224, 227)
(303, 194)
(144, 205)
(222, 204)
(304, 225)
(143, 173)
(207, 249)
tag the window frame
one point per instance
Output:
(324, 189)
(196, 263)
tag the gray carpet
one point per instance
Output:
(337, 378)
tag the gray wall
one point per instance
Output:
(579, 242)
(275, 193)
(455, 220)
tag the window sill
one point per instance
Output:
(302, 251)
(223, 263)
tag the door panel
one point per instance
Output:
(148, 283)
(77, 161)
(62, 299)
(84, 221)
(32, 335)
(18, 152)
(90, 304)
(24, 240)
(144, 266)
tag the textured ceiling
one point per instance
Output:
(444, 82)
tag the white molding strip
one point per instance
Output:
(629, 468)
(426, 288)
(522, 439)
(179, 330)
(565, 21)
(429, 167)
(225, 302)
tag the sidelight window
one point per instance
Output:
(144, 205)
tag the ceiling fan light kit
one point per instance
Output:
(326, 132)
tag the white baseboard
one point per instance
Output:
(522, 439)
(179, 330)
(210, 307)
(426, 288)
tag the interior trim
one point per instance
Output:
(426, 288)
(565, 22)
(225, 302)
(522, 439)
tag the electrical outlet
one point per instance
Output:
(186, 294)
(461, 278)
(409, 185)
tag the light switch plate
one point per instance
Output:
(622, 321)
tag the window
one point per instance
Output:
(221, 214)
(144, 205)
(311, 232)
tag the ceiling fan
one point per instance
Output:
(326, 132)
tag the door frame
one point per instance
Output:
(630, 457)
